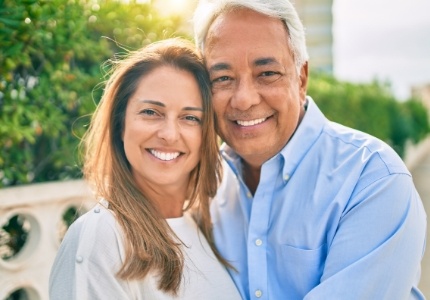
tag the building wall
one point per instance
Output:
(317, 17)
(422, 92)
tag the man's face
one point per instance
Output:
(258, 96)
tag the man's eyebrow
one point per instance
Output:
(265, 61)
(258, 62)
(220, 67)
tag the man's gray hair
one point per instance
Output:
(208, 10)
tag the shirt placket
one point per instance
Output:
(258, 230)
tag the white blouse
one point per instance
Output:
(92, 252)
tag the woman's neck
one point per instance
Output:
(168, 200)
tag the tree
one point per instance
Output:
(371, 108)
(51, 54)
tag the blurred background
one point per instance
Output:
(370, 70)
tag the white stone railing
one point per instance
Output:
(42, 206)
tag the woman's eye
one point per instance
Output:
(148, 112)
(193, 119)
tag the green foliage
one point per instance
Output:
(134, 26)
(51, 64)
(371, 108)
(50, 58)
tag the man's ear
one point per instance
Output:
(303, 76)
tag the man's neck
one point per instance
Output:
(251, 176)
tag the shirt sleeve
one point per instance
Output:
(88, 259)
(377, 249)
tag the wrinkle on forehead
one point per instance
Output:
(236, 20)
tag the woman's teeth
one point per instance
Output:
(165, 155)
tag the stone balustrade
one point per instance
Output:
(41, 208)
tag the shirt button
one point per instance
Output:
(258, 293)
(96, 210)
(79, 259)
(258, 242)
(249, 195)
(286, 177)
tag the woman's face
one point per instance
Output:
(163, 131)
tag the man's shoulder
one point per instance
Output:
(367, 147)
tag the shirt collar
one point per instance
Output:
(232, 158)
(293, 152)
(305, 136)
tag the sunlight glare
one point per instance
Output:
(177, 7)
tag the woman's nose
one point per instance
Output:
(169, 131)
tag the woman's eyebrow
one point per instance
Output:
(158, 103)
(161, 104)
(193, 108)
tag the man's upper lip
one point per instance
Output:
(251, 122)
(235, 118)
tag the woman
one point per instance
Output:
(151, 155)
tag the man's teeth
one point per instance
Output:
(251, 123)
(164, 155)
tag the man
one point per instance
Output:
(307, 209)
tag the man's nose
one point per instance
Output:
(245, 95)
(169, 131)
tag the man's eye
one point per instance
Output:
(269, 77)
(221, 79)
(222, 82)
(269, 73)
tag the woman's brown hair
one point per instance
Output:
(150, 244)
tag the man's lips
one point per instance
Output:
(246, 123)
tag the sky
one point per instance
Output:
(383, 39)
(388, 40)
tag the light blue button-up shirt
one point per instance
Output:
(335, 216)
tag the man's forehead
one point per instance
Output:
(231, 28)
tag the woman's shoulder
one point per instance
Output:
(99, 215)
(89, 258)
(95, 229)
